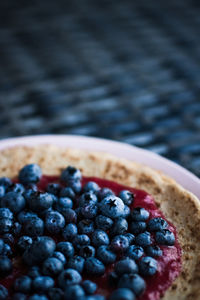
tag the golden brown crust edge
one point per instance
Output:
(179, 206)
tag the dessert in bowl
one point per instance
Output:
(78, 224)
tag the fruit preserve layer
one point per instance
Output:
(158, 273)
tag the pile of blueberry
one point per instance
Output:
(68, 234)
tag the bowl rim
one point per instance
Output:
(184, 177)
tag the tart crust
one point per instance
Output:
(179, 206)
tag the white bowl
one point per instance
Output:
(181, 175)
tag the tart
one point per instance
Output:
(153, 192)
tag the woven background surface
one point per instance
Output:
(123, 70)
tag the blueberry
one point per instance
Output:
(106, 255)
(120, 226)
(138, 227)
(17, 188)
(89, 287)
(31, 186)
(1, 245)
(8, 238)
(38, 297)
(91, 186)
(119, 243)
(7, 251)
(30, 174)
(74, 292)
(70, 231)
(70, 173)
(148, 266)
(156, 224)
(76, 263)
(70, 215)
(42, 248)
(3, 293)
(103, 222)
(67, 192)
(75, 185)
(78, 213)
(86, 226)
(14, 201)
(122, 294)
(30, 193)
(42, 214)
(19, 296)
(130, 237)
(100, 237)
(55, 294)
(54, 222)
(34, 272)
(94, 267)
(153, 251)
(143, 239)
(41, 201)
(23, 284)
(24, 242)
(165, 237)
(139, 214)
(104, 192)
(53, 188)
(81, 240)
(66, 248)
(89, 211)
(59, 255)
(134, 252)
(2, 191)
(5, 213)
(112, 207)
(5, 266)
(125, 266)
(16, 229)
(87, 251)
(127, 197)
(25, 215)
(133, 282)
(6, 182)
(5, 225)
(126, 212)
(34, 227)
(42, 284)
(87, 198)
(69, 277)
(63, 203)
(52, 266)
(45, 212)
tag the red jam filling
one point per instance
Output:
(169, 264)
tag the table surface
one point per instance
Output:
(123, 70)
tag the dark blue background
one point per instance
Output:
(125, 70)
